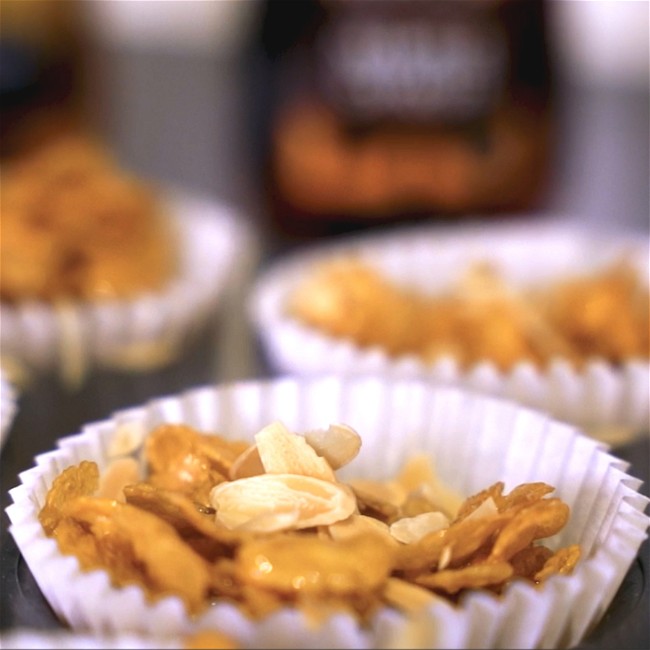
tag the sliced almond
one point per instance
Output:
(271, 502)
(284, 452)
(384, 498)
(445, 557)
(248, 463)
(127, 439)
(418, 474)
(412, 529)
(486, 509)
(121, 472)
(338, 444)
(357, 524)
(407, 596)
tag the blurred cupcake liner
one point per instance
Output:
(473, 440)
(215, 247)
(8, 405)
(611, 403)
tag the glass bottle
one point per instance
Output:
(385, 111)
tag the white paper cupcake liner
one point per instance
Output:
(473, 440)
(8, 405)
(216, 245)
(611, 403)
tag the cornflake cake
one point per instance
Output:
(99, 267)
(481, 317)
(331, 512)
(547, 315)
(268, 524)
(75, 225)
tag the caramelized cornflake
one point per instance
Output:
(300, 538)
(602, 314)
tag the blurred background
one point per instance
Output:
(496, 108)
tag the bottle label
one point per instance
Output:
(448, 66)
